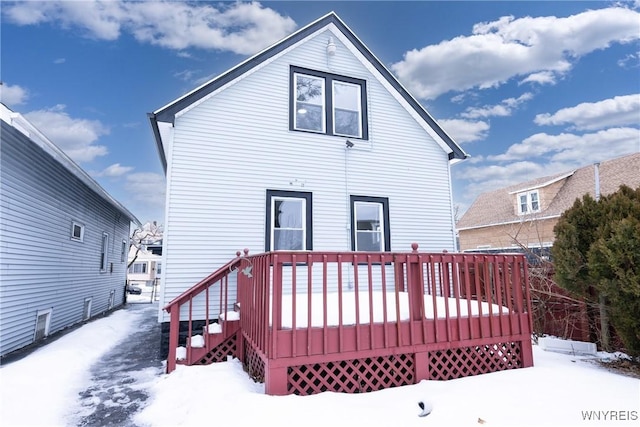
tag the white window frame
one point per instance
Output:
(47, 325)
(274, 199)
(123, 251)
(104, 252)
(112, 299)
(328, 102)
(383, 210)
(144, 264)
(333, 98)
(75, 224)
(295, 103)
(86, 308)
(307, 217)
(528, 202)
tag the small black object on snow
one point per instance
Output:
(425, 409)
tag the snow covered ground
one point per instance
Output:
(560, 390)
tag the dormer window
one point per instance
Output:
(327, 103)
(528, 202)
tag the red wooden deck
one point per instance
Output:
(483, 326)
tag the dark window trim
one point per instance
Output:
(328, 100)
(384, 201)
(309, 217)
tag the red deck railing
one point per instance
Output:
(313, 307)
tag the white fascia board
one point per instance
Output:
(544, 184)
(247, 73)
(166, 135)
(509, 222)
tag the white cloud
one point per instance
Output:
(541, 78)
(75, 137)
(464, 131)
(538, 49)
(505, 108)
(617, 111)
(630, 61)
(242, 28)
(185, 75)
(147, 187)
(578, 149)
(115, 170)
(12, 95)
(59, 61)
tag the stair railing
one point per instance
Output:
(175, 307)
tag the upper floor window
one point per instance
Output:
(328, 103)
(370, 224)
(528, 202)
(288, 221)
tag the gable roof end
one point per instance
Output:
(168, 113)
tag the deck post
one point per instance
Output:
(421, 366)
(415, 284)
(527, 352)
(174, 338)
(275, 381)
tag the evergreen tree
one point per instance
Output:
(597, 255)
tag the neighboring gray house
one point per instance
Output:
(63, 239)
(311, 144)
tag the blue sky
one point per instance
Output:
(528, 89)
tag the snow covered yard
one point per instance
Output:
(560, 390)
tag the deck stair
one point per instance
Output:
(214, 339)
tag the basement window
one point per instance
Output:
(86, 309)
(43, 322)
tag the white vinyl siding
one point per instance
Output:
(221, 162)
(41, 266)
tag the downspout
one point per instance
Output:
(602, 303)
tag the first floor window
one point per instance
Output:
(370, 224)
(103, 252)
(123, 251)
(138, 268)
(288, 221)
(77, 231)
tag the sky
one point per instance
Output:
(528, 89)
(559, 390)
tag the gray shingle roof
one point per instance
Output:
(497, 207)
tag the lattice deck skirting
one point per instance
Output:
(376, 373)
(467, 361)
(351, 376)
(253, 364)
(220, 353)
